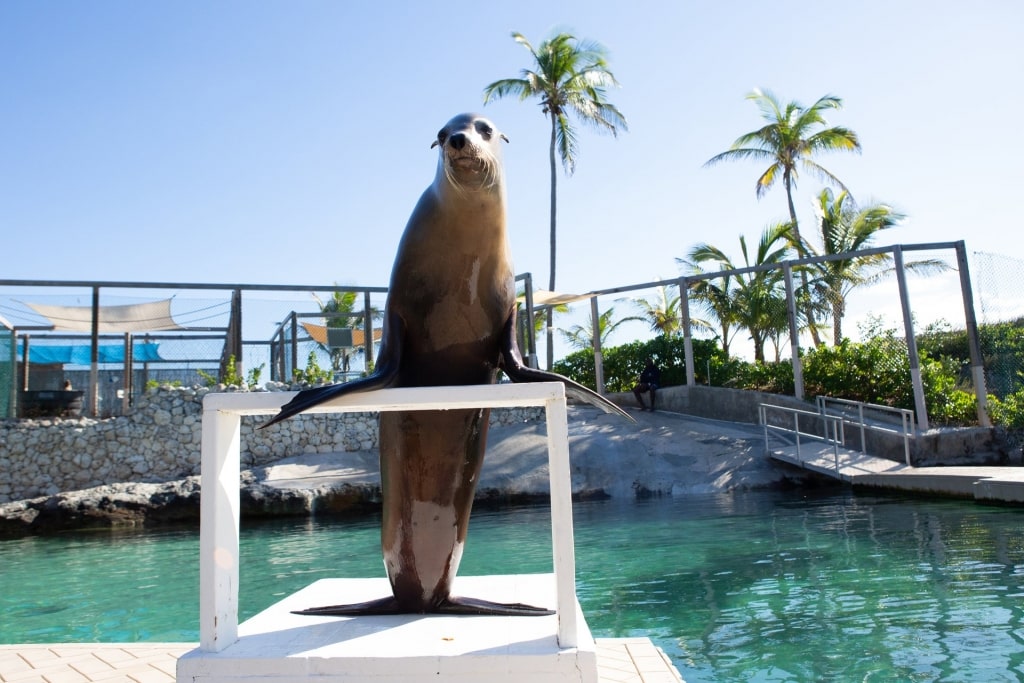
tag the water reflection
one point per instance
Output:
(829, 589)
(746, 587)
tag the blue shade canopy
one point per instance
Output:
(80, 354)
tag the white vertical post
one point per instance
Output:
(563, 548)
(218, 532)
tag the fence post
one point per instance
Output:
(974, 348)
(531, 335)
(595, 319)
(684, 311)
(94, 356)
(794, 333)
(127, 383)
(908, 327)
(12, 404)
(294, 345)
(368, 333)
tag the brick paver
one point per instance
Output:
(619, 660)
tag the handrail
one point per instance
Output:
(906, 419)
(837, 439)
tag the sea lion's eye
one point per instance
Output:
(485, 131)
(442, 135)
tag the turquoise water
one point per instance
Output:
(745, 587)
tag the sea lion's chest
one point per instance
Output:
(452, 281)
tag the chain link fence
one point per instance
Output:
(283, 330)
(208, 334)
(1000, 297)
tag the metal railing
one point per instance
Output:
(828, 423)
(906, 418)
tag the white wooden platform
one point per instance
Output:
(276, 646)
(562, 656)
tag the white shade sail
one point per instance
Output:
(144, 317)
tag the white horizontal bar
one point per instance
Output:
(406, 398)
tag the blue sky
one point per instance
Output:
(286, 142)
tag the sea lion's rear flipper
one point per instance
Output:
(388, 605)
(487, 608)
(383, 376)
(513, 366)
(452, 605)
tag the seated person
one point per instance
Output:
(650, 380)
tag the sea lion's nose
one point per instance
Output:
(458, 140)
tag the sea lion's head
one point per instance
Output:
(470, 152)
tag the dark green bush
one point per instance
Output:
(876, 371)
(1008, 411)
(774, 378)
(873, 371)
(623, 364)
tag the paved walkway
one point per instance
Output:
(1005, 484)
(619, 660)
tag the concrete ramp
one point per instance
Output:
(1005, 484)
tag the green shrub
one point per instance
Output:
(876, 371)
(231, 376)
(622, 364)
(1008, 411)
(313, 373)
(155, 384)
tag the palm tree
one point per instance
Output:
(792, 136)
(663, 314)
(582, 336)
(569, 75)
(846, 228)
(757, 300)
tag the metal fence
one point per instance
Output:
(265, 329)
(213, 327)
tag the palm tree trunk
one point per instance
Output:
(809, 312)
(758, 340)
(551, 275)
(838, 311)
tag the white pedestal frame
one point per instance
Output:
(219, 513)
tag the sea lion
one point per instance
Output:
(449, 320)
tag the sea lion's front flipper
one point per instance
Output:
(383, 376)
(512, 365)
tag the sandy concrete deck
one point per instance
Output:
(1005, 484)
(619, 660)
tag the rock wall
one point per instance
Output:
(161, 441)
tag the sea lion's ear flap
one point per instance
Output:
(434, 144)
(503, 137)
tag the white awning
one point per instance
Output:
(146, 317)
(542, 297)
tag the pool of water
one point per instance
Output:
(744, 587)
